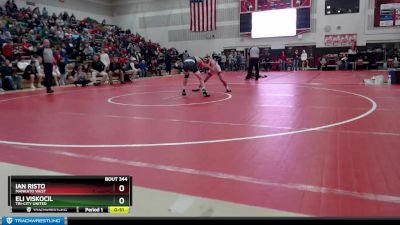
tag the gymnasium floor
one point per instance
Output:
(308, 143)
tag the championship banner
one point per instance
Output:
(340, 40)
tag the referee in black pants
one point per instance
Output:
(254, 53)
(46, 53)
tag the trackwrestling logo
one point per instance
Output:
(32, 220)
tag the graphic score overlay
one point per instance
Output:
(70, 194)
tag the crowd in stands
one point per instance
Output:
(298, 59)
(99, 52)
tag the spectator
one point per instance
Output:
(8, 50)
(116, 70)
(282, 61)
(242, 62)
(72, 20)
(62, 61)
(304, 60)
(45, 14)
(234, 61)
(26, 47)
(223, 61)
(98, 69)
(143, 68)
(88, 51)
(268, 62)
(56, 75)
(155, 67)
(130, 70)
(80, 76)
(105, 58)
(10, 80)
(344, 62)
(238, 61)
(31, 74)
(322, 64)
(168, 63)
(296, 60)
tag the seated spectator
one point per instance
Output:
(8, 50)
(143, 68)
(130, 69)
(155, 67)
(268, 62)
(116, 70)
(322, 64)
(105, 58)
(27, 47)
(304, 60)
(31, 74)
(10, 80)
(80, 76)
(61, 59)
(88, 51)
(56, 74)
(98, 69)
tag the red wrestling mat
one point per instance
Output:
(315, 143)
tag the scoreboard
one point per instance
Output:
(70, 194)
(247, 7)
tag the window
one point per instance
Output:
(333, 7)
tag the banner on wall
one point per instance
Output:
(387, 14)
(397, 17)
(301, 3)
(247, 6)
(340, 40)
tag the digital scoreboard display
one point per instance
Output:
(70, 194)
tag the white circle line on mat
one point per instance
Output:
(361, 116)
(111, 100)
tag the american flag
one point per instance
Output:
(203, 15)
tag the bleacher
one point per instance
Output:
(22, 58)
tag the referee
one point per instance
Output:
(254, 62)
(46, 53)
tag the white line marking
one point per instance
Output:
(111, 100)
(370, 111)
(225, 176)
(278, 106)
(244, 124)
(198, 121)
(172, 97)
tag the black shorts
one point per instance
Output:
(189, 65)
(28, 76)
